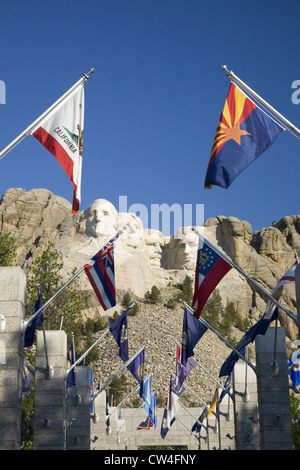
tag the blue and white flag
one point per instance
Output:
(153, 410)
(165, 424)
(294, 366)
(172, 407)
(92, 392)
(146, 393)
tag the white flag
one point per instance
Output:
(61, 132)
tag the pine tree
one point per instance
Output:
(7, 249)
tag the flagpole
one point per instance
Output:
(130, 416)
(203, 402)
(207, 372)
(25, 323)
(23, 134)
(270, 108)
(86, 352)
(127, 396)
(115, 375)
(296, 320)
(49, 369)
(92, 346)
(221, 337)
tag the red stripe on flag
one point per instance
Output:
(209, 283)
(106, 277)
(93, 284)
(54, 147)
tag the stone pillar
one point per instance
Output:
(12, 313)
(78, 411)
(297, 287)
(273, 392)
(50, 394)
(245, 407)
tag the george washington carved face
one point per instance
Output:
(101, 219)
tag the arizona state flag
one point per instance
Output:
(61, 132)
(244, 132)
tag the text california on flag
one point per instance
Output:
(244, 132)
(61, 132)
(101, 274)
(210, 269)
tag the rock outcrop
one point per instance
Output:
(145, 257)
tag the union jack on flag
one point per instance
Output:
(101, 274)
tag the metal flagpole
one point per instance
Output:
(86, 352)
(203, 402)
(49, 369)
(130, 416)
(115, 375)
(127, 396)
(23, 134)
(91, 347)
(25, 323)
(207, 372)
(270, 108)
(221, 337)
(296, 320)
(214, 379)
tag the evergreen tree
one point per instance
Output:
(44, 274)
(154, 296)
(7, 249)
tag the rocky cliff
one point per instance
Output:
(144, 258)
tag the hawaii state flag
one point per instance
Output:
(244, 132)
(61, 132)
(100, 271)
(210, 269)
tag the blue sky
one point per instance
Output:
(153, 104)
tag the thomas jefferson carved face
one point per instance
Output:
(101, 219)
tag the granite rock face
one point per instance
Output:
(144, 257)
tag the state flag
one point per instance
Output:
(192, 330)
(71, 379)
(210, 269)
(119, 331)
(137, 369)
(100, 271)
(34, 324)
(244, 132)
(61, 132)
(260, 327)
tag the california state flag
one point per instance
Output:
(61, 132)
